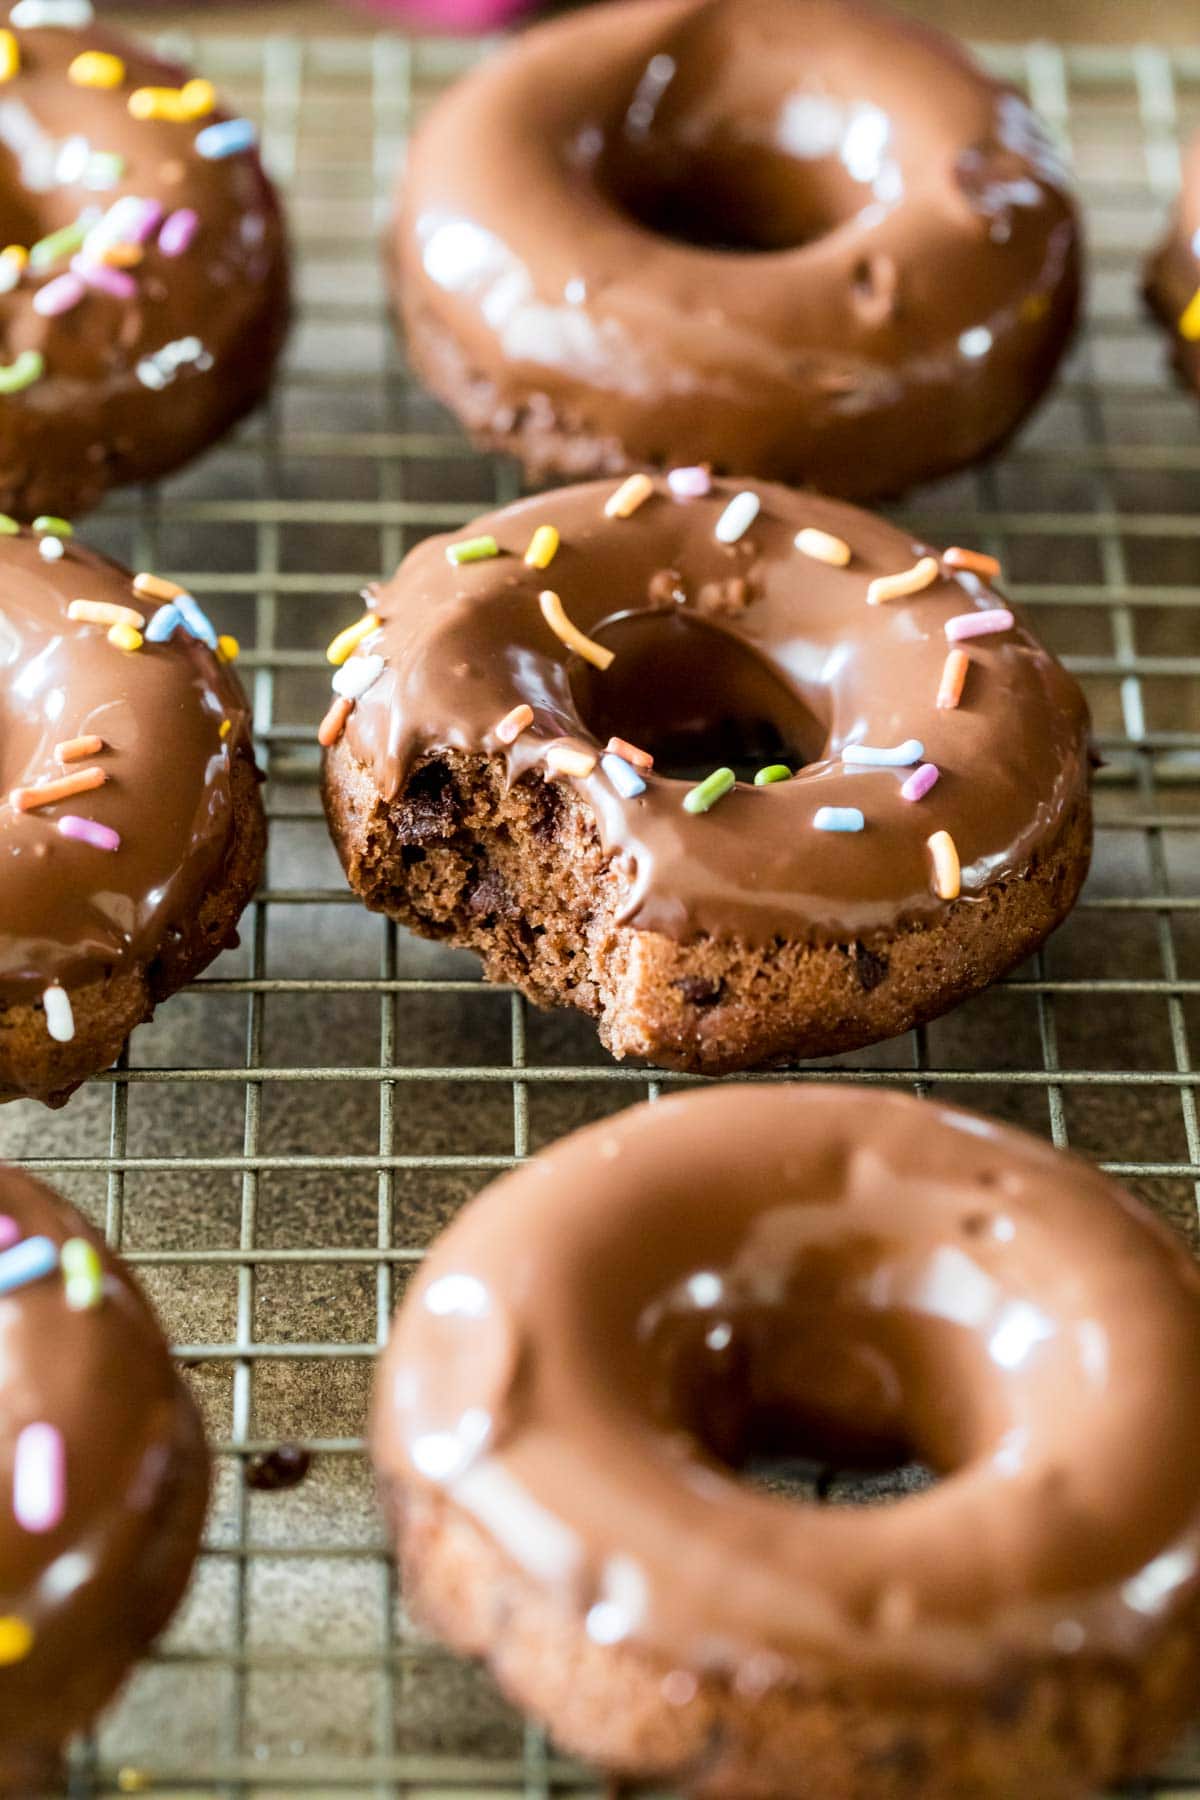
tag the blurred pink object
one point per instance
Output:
(459, 17)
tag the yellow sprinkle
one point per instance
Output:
(908, 581)
(100, 612)
(133, 1781)
(346, 642)
(228, 648)
(153, 587)
(16, 1639)
(97, 69)
(197, 98)
(570, 635)
(157, 103)
(947, 875)
(226, 728)
(543, 547)
(10, 55)
(822, 546)
(16, 253)
(629, 496)
(1189, 319)
(124, 637)
(565, 761)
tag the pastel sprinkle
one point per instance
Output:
(10, 1231)
(57, 244)
(89, 831)
(514, 723)
(10, 55)
(96, 69)
(978, 624)
(101, 612)
(117, 283)
(39, 1478)
(630, 753)
(227, 727)
(52, 549)
(120, 256)
(12, 267)
(77, 748)
(334, 723)
(164, 624)
(83, 1274)
(60, 1020)
(1189, 319)
(691, 483)
(49, 793)
(37, 15)
(228, 648)
(909, 581)
(738, 517)
(195, 100)
(16, 1639)
(564, 760)
(771, 774)
(838, 818)
(27, 1261)
(623, 776)
(822, 546)
(632, 493)
(22, 372)
(570, 635)
(196, 620)
(954, 675)
(8, 526)
(976, 562)
(179, 228)
(105, 168)
(59, 296)
(225, 139)
(543, 547)
(124, 637)
(154, 587)
(48, 523)
(707, 792)
(947, 875)
(889, 756)
(472, 550)
(346, 642)
(356, 676)
(920, 782)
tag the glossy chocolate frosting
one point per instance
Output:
(802, 238)
(1173, 272)
(92, 1565)
(132, 386)
(746, 653)
(174, 722)
(599, 1342)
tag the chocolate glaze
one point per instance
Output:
(751, 648)
(97, 1586)
(68, 912)
(803, 238)
(92, 421)
(1173, 272)
(595, 1345)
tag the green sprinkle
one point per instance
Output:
(29, 367)
(8, 527)
(709, 791)
(49, 526)
(772, 772)
(61, 243)
(83, 1275)
(477, 549)
(104, 170)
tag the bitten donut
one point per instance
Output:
(144, 292)
(131, 827)
(746, 774)
(105, 1477)
(1172, 277)
(601, 1343)
(801, 239)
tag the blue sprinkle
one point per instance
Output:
(623, 776)
(196, 620)
(163, 624)
(27, 1261)
(226, 138)
(838, 818)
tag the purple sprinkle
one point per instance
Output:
(691, 483)
(920, 782)
(87, 831)
(144, 219)
(117, 282)
(178, 231)
(978, 624)
(59, 296)
(10, 1231)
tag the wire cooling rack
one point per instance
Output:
(277, 1149)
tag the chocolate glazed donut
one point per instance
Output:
(653, 752)
(105, 1473)
(803, 239)
(600, 1344)
(1172, 279)
(144, 295)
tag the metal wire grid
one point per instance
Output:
(275, 1151)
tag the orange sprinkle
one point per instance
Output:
(947, 875)
(122, 256)
(334, 722)
(954, 673)
(49, 793)
(977, 561)
(75, 749)
(100, 612)
(153, 587)
(565, 761)
(641, 759)
(569, 634)
(514, 723)
(908, 581)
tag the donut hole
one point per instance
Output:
(695, 698)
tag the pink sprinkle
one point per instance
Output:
(978, 624)
(40, 1478)
(690, 484)
(117, 282)
(10, 1231)
(178, 231)
(145, 217)
(920, 782)
(59, 296)
(87, 831)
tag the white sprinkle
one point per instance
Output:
(838, 818)
(354, 677)
(892, 756)
(69, 15)
(51, 548)
(623, 776)
(738, 517)
(60, 1020)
